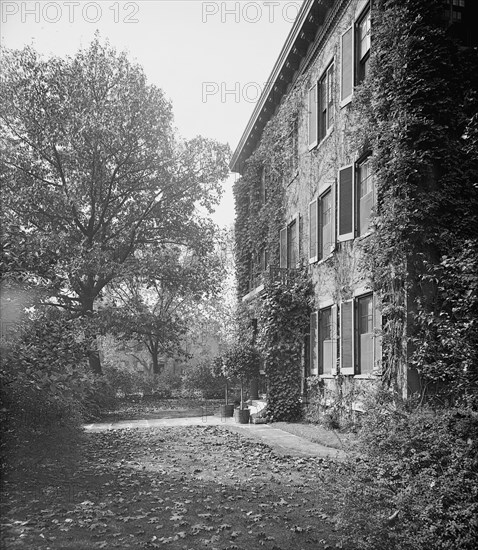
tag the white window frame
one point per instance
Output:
(330, 90)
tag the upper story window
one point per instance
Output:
(365, 196)
(363, 46)
(289, 244)
(354, 55)
(322, 226)
(321, 107)
(356, 199)
(326, 102)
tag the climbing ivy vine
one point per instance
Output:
(283, 323)
(423, 133)
(258, 221)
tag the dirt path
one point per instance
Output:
(185, 487)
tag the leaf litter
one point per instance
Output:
(178, 488)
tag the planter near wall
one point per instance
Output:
(227, 411)
(242, 416)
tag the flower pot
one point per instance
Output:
(242, 416)
(227, 410)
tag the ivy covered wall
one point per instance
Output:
(418, 108)
(416, 113)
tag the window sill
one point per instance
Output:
(327, 376)
(346, 101)
(326, 259)
(253, 293)
(325, 138)
(368, 376)
(365, 235)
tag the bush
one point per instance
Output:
(414, 483)
(121, 380)
(160, 386)
(201, 382)
(43, 382)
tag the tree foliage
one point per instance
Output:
(93, 173)
(152, 304)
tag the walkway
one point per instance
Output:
(282, 442)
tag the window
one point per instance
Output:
(363, 46)
(364, 312)
(354, 55)
(322, 226)
(312, 118)
(360, 341)
(326, 102)
(356, 199)
(454, 10)
(289, 245)
(365, 195)
(323, 341)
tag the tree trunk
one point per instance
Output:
(93, 353)
(154, 351)
(156, 369)
(94, 361)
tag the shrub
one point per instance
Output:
(43, 382)
(200, 380)
(121, 380)
(160, 386)
(414, 483)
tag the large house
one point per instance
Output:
(326, 188)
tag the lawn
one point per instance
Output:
(177, 488)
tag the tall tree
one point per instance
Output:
(93, 174)
(152, 305)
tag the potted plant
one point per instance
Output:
(242, 362)
(219, 371)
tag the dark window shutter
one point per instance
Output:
(346, 203)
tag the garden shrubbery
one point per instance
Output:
(43, 384)
(413, 482)
(201, 379)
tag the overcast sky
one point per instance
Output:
(210, 58)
